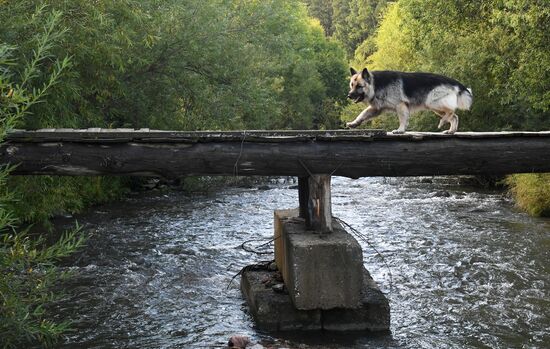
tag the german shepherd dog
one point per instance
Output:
(407, 93)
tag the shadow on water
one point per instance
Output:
(468, 270)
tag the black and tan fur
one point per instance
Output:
(407, 93)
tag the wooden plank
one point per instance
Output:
(155, 136)
(145, 135)
(337, 155)
(41, 130)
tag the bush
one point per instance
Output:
(28, 271)
(38, 198)
(531, 192)
(27, 263)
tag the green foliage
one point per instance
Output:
(499, 48)
(27, 263)
(28, 272)
(25, 83)
(531, 192)
(322, 10)
(38, 198)
(190, 64)
(350, 22)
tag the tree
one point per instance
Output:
(350, 22)
(323, 11)
(498, 48)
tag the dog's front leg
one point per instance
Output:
(403, 112)
(454, 124)
(365, 115)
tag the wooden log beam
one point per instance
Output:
(294, 153)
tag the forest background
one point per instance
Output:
(236, 64)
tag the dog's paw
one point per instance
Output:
(448, 132)
(351, 125)
(398, 132)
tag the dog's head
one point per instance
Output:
(360, 85)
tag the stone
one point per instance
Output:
(272, 266)
(279, 288)
(274, 311)
(321, 271)
(238, 341)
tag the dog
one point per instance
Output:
(407, 93)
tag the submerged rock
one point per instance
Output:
(238, 342)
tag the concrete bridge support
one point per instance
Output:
(321, 265)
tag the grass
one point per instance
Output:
(531, 192)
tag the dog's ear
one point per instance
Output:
(365, 75)
(352, 71)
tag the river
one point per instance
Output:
(462, 268)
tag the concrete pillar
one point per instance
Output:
(327, 286)
(320, 271)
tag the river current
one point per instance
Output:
(461, 268)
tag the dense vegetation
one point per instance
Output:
(27, 263)
(236, 64)
(499, 48)
(351, 22)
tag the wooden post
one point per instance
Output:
(303, 197)
(315, 202)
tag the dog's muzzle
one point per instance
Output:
(356, 97)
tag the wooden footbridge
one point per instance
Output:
(313, 156)
(328, 287)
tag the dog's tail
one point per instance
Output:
(465, 99)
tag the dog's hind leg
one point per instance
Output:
(454, 124)
(403, 113)
(442, 123)
(365, 115)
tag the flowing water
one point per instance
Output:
(466, 270)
